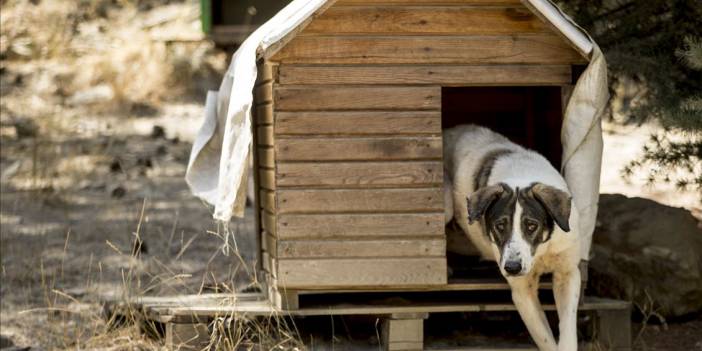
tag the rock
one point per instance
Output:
(141, 109)
(9, 171)
(157, 132)
(116, 165)
(25, 128)
(647, 253)
(95, 95)
(144, 161)
(118, 192)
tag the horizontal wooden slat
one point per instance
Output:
(432, 74)
(361, 272)
(362, 174)
(264, 114)
(288, 98)
(263, 93)
(536, 48)
(266, 157)
(345, 149)
(205, 307)
(269, 243)
(358, 122)
(268, 222)
(437, 20)
(296, 226)
(360, 200)
(266, 179)
(266, 262)
(267, 200)
(362, 248)
(265, 135)
(265, 73)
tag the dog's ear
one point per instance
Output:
(556, 202)
(479, 201)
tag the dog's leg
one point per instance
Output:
(526, 299)
(566, 290)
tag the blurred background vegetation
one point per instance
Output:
(654, 53)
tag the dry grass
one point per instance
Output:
(116, 54)
(71, 323)
(52, 51)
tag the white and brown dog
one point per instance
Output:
(516, 209)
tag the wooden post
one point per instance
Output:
(194, 336)
(284, 299)
(614, 329)
(404, 332)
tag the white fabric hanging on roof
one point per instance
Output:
(221, 153)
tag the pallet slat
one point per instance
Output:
(361, 248)
(292, 226)
(360, 200)
(211, 305)
(463, 75)
(358, 122)
(361, 272)
(355, 149)
(360, 174)
(312, 98)
(425, 20)
(522, 49)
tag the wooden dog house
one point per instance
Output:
(349, 111)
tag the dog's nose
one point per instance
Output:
(513, 267)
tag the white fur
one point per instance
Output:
(464, 148)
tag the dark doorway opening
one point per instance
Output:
(529, 116)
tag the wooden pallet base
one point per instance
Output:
(188, 319)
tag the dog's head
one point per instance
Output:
(519, 220)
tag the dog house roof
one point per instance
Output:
(293, 18)
(221, 153)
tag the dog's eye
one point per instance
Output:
(531, 226)
(500, 226)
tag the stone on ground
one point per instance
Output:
(647, 253)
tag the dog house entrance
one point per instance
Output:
(528, 116)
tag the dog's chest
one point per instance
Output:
(551, 260)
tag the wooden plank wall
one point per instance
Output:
(349, 134)
(265, 167)
(358, 197)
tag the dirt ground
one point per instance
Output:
(93, 200)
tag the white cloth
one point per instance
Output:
(581, 136)
(219, 159)
(221, 152)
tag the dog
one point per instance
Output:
(516, 209)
